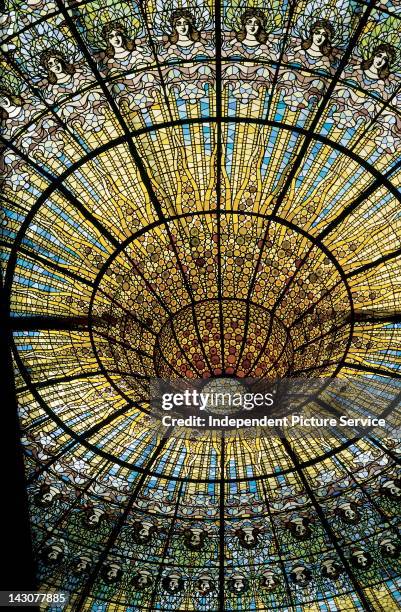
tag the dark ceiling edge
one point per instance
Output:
(18, 570)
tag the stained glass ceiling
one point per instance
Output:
(201, 190)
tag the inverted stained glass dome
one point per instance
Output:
(203, 190)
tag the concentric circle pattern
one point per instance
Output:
(204, 191)
(262, 353)
(290, 312)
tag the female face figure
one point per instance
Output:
(94, 517)
(54, 65)
(184, 30)
(252, 31)
(182, 26)
(319, 36)
(10, 106)
(116, 39)
(46, 496)
(252, 26)
(380, 60)
(111, 573)
(118, 43)
(58, 69)
(5, 107)
(378, 66)
(319, 42)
